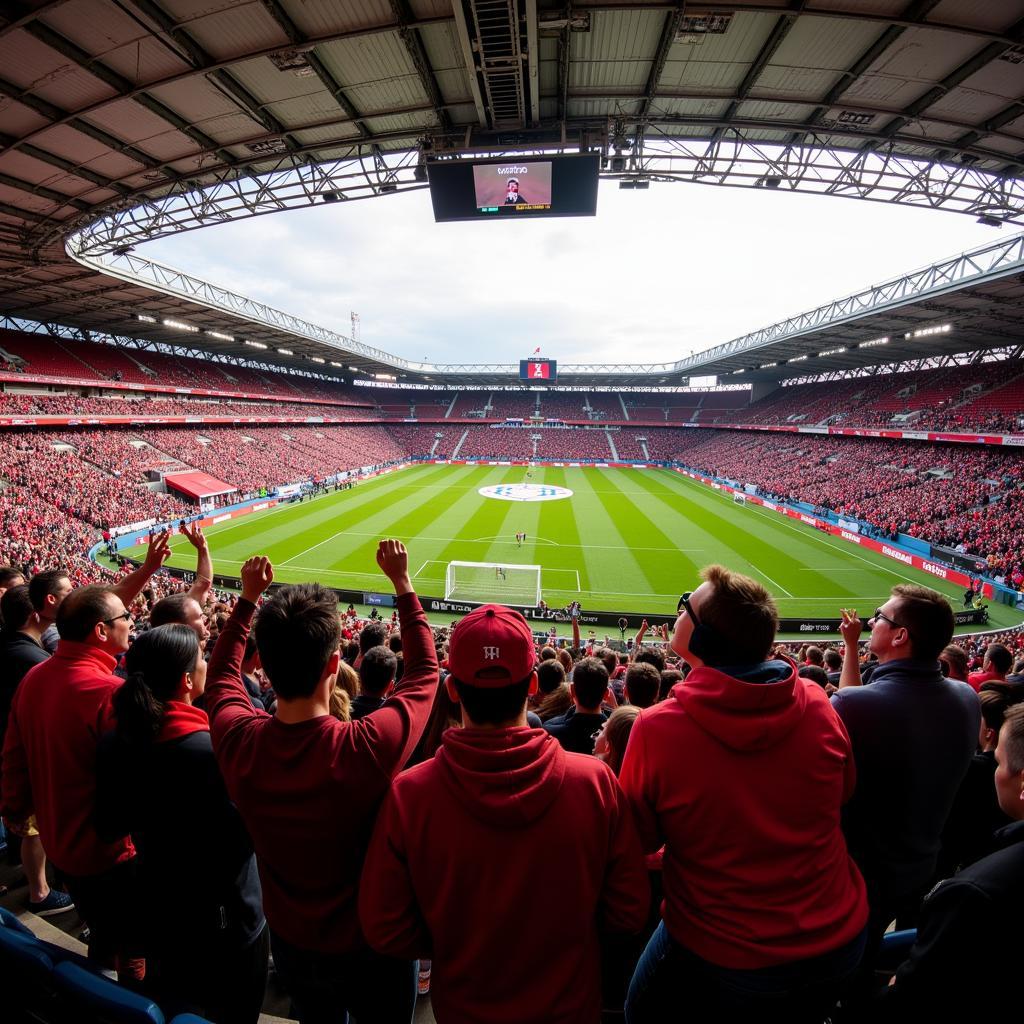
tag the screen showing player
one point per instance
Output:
(513, 187)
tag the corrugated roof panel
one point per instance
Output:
(984, 14)
(64, 141)
(195, 99)
(772, 110)
(830, 45)
(29, 202)
(27, 168)
(883, 8)
(691, 107)
(718, 60)
(378, 66)
(145, 60)
(431, 8)
(599, 108)
(916, 62)
(242, 28)
(17, 120)
(34, 67)
(318, 136)
(454, 86)
(617, 51)
(134, 123)
(401, 122)
(322, 17)
(985, 93)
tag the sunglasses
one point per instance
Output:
(879, 614)
(684, 605)
(126, 615)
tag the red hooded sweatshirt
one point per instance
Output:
(743, 781)
(501, 858)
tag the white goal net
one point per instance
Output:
(497, 582)
(738, 498)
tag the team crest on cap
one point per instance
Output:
(491, 653)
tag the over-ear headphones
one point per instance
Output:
(708, 644)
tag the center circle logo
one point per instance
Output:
(525, 492)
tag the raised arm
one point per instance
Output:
(391, 733)
(132, 585)
(638, 641)
(850, 627)
(200, 589)
(227, 701)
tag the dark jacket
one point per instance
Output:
(967, 951)
(364, 704)
(913, 733)
(975, 816)
(196, 869)
(18, 653)
(575, 730)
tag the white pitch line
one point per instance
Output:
(761, 572)
(420, 569)
(832, 547)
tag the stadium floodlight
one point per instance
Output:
(873, 343)
(317, 359)
(286, 351)
(223, 337)
(833, 351)
(178, 325)
(501, 582)
(147, 319)
(255, 344)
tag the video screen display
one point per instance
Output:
(538, 370)
(561, 186)
(512, 185)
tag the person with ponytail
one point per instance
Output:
(206, 941)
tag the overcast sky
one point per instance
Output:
(654, 276)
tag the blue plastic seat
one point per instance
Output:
(895, 949)
(93, 999)
(189, 1018)
(9, 920)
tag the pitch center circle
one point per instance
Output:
(525, 492)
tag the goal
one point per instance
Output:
(500, 582)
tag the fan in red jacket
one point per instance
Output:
(502, 857)
(309, 786)
(741, 773)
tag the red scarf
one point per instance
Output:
(181, 719)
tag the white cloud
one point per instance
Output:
(655, 276)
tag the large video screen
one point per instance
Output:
(561, 186)
(543, 370)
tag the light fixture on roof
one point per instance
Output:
(223, 337)
(255, 344)
(178, 325)
(387, 188)
(924, 332)
(339, 365)
(798, 359)
(147, 319)
(873, 343)
(286, 351)
(332, 196)
(985, 219)
(385, 376)
(122, 250)
(833, 351)
(742, 369)
(317, 359)
(767, 366)
(641, 183)
(769, 181)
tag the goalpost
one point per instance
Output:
(500, 582)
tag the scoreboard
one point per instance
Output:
(538, 370)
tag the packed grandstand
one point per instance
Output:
(228, 798)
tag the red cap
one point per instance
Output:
(491, 647)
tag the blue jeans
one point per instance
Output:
(325, 987)
(671, 983)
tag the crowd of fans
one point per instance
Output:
(216, 777)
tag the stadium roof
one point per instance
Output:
(119, 123)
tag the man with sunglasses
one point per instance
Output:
(913, 733)
(741, 773)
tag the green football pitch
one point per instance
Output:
(626, 539)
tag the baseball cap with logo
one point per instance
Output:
(491, 647)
